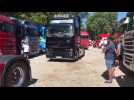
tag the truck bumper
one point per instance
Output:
(63, 54)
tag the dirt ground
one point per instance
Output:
(88, 71)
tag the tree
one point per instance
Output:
(102, 22)
(39, 17)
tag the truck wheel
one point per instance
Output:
(16, 75)
(76, 55)
(83, 53)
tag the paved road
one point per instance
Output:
(89, 71)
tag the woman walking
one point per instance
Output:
(109, 59)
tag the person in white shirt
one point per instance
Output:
(25, 47)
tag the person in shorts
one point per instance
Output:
(109, 51)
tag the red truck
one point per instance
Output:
(15, 71)
(84, 42)
(13, 32)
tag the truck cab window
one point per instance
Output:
(61, 30)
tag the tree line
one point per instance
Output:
(39, 17)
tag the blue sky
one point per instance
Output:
(121, 15)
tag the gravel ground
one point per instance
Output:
(86, 72)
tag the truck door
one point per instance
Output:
(7, 39)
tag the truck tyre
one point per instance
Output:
(81, 52)
(76, 55)
(16, 75)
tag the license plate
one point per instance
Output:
(58, 57)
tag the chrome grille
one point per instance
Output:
(129, 47)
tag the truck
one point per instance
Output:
(128, 43)
(63, 38)
(84, 39)
(15, 71)
(27, 31)
(13, 32)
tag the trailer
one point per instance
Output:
(15, 71)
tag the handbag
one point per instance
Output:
(118, 72)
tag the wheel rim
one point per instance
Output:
(15, 77)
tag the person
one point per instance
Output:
(118, 52)
(118, 58)
(25, 47)
(109, 51)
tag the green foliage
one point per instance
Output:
(39, 17)
(102, 22)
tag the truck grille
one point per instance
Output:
(128, 59)
(129, 47)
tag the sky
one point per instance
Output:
(121, 15)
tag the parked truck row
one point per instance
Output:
(15, 34)
(22, 38)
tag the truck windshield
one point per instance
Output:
(5, 27)
(60, 30)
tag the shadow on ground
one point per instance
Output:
(126, 81)
(33, 81)
(105, 75)
(64, 60)
(61, 60)
(34, 56)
